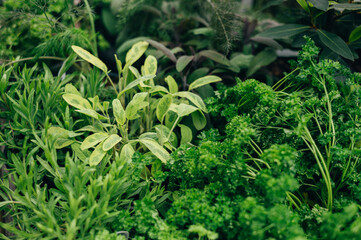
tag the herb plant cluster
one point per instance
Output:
(167, 138)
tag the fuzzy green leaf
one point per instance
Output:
(97, 155)
(127, 152)
(204, 81)
(150, 65)
(138, 102)
(156, 149)
(215, 56)
(93, 140)
(194, 98)
(182, 62)
(182, 109)
(163, 106)
(76, 101)
(136, 52)
(172, 84)
(87, 56)
(111, 141)
(118, 112)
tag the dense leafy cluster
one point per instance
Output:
(140, 146)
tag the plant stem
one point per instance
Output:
(170, 132)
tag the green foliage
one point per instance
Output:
(142, 109)
(40, 28)
(325, 22)
(323, 100)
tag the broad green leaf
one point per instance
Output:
(199, 120)
(320, 4)
(186, 133)
(304, 5)
(156, 149)
(135, 72)
(118, 112)
(129, 43)
(93, 140)
(162, 135)
(127, 152)
(148, 135)
(158, 88)
(182, 109)
(355, 34)
(182, 62)
(91, 113)
(90, 128)
(136, 52)
(69, 88)
(138, 102)
(136, 83)
(57, 132)
(198, 73)
(62, 143)
(111, 141)
(347, 6)
(242, 60)
(335, 43)
(267, 41)
(150, 65)
(215, 56)
(76, 101)
(261, 59)
(97, 155)
(87, 56)
(163, 106)
(163, 49)
(172, 84)
(119, 64)
(204, 81)
(194, 98)
(284, 31)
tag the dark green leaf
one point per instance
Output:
(355, 34)
(163, 49)
(199, 120)
(261, 59)
(186, 134)
(284, 31)
(335, 43)
(215, 56)
(320, 4)
(182, 62)
(347, 6)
